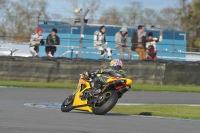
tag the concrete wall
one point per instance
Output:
(182, 73)
(68, 70)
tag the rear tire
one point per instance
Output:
(67, 105)
(108, 105)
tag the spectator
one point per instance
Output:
(121, 42)
(138, 42)
(101, 43)
(35, 41)
(51, 41)
(151, 45)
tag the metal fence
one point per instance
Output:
(71, 51)
(173, 46)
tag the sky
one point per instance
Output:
(60, 6)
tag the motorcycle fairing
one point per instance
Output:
(77, 100)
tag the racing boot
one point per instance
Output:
(90, 93)
(95, 88)
(109, 58)
(94, 91)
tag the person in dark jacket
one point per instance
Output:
(138, 41)
(51, 41)
(99, 76)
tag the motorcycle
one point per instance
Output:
(99, 104)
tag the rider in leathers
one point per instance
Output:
(99, 76)
(100, 42)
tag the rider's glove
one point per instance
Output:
(86, 75)
(42, 42)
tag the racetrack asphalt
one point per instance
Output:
(17, 118)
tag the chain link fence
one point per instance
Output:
(14, 40)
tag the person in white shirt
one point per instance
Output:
(151, 45)
(35, 41)
(101, 43)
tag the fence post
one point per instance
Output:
(72, 50)
(82, 31)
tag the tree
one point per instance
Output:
(111, 16)
(72, 5)
(168, 18)
(132, 13)
(94, 6)
(189, 17)
(135, 14)
(196, 11)
(148, 17)
(4, 4)
(23, 16)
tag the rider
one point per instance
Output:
(101, 43)
(99, 76)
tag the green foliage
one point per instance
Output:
(135, 87)
(38, 84)
(170, 88)
(190, 21)
(197, 42)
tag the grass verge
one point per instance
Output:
(173, 111)
(38, 84)
(135, 87)
(170, 88)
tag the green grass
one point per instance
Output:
(173, 111)
(170, 88)
(135, 87)
(38, 84)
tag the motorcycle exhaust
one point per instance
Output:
(124, 89)
(115, 83)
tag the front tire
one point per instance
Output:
(106, 105)
(67, 105)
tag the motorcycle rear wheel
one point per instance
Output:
(111, 98)
(67, 105)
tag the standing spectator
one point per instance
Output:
(51, 41)
(35, 41)
(101, 43)
(151, 45)
(121, 42)
(138, 41)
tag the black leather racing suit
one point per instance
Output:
(100, 75)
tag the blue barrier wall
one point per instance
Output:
(173, 46)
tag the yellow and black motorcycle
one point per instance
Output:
(101, 103)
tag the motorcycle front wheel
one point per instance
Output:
(108, 101)
(67, 104)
